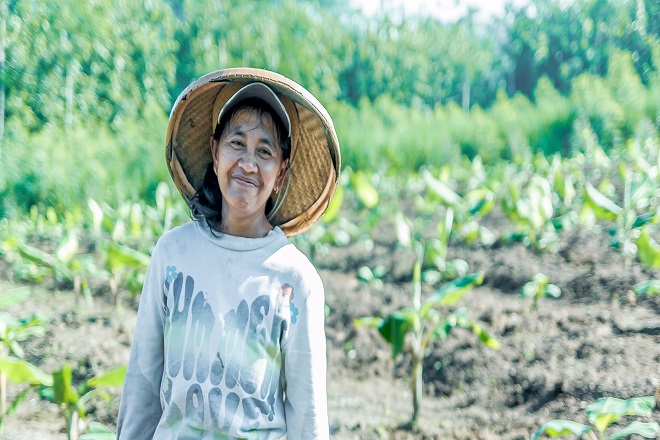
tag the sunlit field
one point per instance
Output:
(491, 257)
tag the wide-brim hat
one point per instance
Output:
(314, 163)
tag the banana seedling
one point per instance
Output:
(538, 287)
(603, 413)
(74, 399)
(14, 368)
(126, 266)
(467, 210)
(435, 254)
(630, 235)
(98, 431)
(413, 329)
(531, 210)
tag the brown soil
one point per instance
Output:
(593, 341)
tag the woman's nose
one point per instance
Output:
(248, 160)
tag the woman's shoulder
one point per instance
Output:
(178, 234)
(289, 258)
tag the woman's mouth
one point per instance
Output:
(245, 181)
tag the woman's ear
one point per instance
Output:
(282, 172)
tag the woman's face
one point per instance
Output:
(249, 163)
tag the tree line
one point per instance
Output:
(64, 62)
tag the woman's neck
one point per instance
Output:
(248, 228)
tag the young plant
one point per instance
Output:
(413, 329)
(629, 235)
(435, 254)
(603, 413)
(19, 371)
(98, 431)
(538, 287)
(647, 288)
(466, 212)
(373, 277)
(73, 400)
(13, 331)
(531, 211)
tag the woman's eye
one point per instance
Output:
(236, 144)
(265, 152)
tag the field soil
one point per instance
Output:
(595, 340)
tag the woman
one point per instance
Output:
(229, 340)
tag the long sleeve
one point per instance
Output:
(140, 407)
(305, 369)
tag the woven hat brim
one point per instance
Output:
(314, 164)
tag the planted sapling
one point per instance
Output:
(73, 400)
(13, 367)
(538, 287)
(413, 329)
(603, 413)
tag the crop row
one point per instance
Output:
(97, 248)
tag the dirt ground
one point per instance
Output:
(593, 341)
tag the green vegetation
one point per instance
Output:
(601, 414)
(536, 123)
(415, 328)
(539, 287)
(73, 400)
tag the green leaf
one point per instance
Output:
(403, 231)
(119, 256)
(11, 297)
(21, 371)
(643, 219)
(98, 436)
(648, 250)
(17, 401)
(457, 268)
(485, 201)
(365, 274)
(335, 205)
(62, 387)
(607, 410)
(646, 430)
(604, 208)
(68, 248)
(530, 290)
(450, 293)
(98, 428)
(364, 189)
(648, 287)
(368, 321)
(552, 290)
(112, 378)
(444, 229)
(395, 327)
(44, 259)
(98, 431)
(484, 336)
(557, 428)
(447, 196)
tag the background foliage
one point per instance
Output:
(85, 89)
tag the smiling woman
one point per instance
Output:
(250, 151)
(230, 341)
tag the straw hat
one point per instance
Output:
(314, 164)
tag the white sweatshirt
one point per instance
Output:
(229, 342)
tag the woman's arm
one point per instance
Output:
(305, 369)
(140, 408)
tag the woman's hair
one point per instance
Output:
(206, 204)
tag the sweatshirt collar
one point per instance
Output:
(236, 243)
